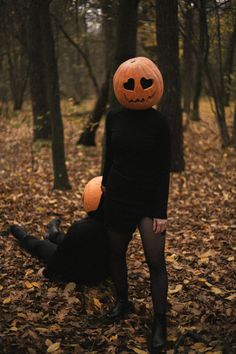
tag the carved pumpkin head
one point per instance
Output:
(92, 194)
(138, 83)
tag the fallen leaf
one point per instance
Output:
(70, 287)
(198, 346)
(113, 338)
(97, 303)
(53, 347)
(178, 288)
(7, 300)
(139, 351)
(28, 284)
(48, 342)
(216, 290)
(231, 297)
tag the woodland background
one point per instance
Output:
(57, 59)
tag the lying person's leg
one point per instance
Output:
(83, 256)
(42, 249)
(54, 234)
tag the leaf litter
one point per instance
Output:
(39, 316)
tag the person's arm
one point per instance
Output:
(108, 159)
(163, 176)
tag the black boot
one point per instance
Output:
(159, 334)
(18, 232)
(53, 229)
(121, 308)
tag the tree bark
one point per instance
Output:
(126, 35)
(168, 60)
(41, 120)
(234, 127)
(199, 69)
(18, 75)
(228, 67)
(216, 93)
(51, 75)
(89, 134)
(81, 52)
(187, 79)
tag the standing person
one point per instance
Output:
(136, 184)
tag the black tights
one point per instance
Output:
(42, 249)
(154, 250)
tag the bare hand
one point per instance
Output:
(159, 225)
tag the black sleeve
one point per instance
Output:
(163, 170)
(108, 160)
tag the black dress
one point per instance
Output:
(83, 255)
(137, 167)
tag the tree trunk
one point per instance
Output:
(18, 75)
(41, 120)
(234, 128)
(216, 93)
(168, 60)
(89, 134)
(197, 92)
(228, 67)
(52, 85)
(199, 69)
(188, 61)
(126, 36)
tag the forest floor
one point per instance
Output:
(39, 316)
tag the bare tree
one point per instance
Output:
(14, 34)
(88, 135)
(168, 61)
(51, 78)
(126, 36)
(229, 62)
(187, 77)
(217, 91)
(40, 109)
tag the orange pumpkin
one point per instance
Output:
(138, 83)
(92, 194)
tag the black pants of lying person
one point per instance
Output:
(81, 256)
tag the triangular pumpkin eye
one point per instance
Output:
(129, 85)
(146, 83)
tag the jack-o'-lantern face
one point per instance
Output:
(138, 83)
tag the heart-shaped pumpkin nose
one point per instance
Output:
(129, 85)
(146, 83)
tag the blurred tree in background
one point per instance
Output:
(193, 42)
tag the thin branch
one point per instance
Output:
(81, 52)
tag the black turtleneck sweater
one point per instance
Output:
(137, 159)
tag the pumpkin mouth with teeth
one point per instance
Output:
(139, 100)
(138, 83)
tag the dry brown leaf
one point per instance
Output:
(97, 303)
(7, 300)
(178, 288)
(139, 351)
(53, 347)
(70, 287)
(48, 342)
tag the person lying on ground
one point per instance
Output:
(81, 255)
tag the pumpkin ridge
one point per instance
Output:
(140, 97)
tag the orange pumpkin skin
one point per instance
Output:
(92, 194)
(138, 83)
